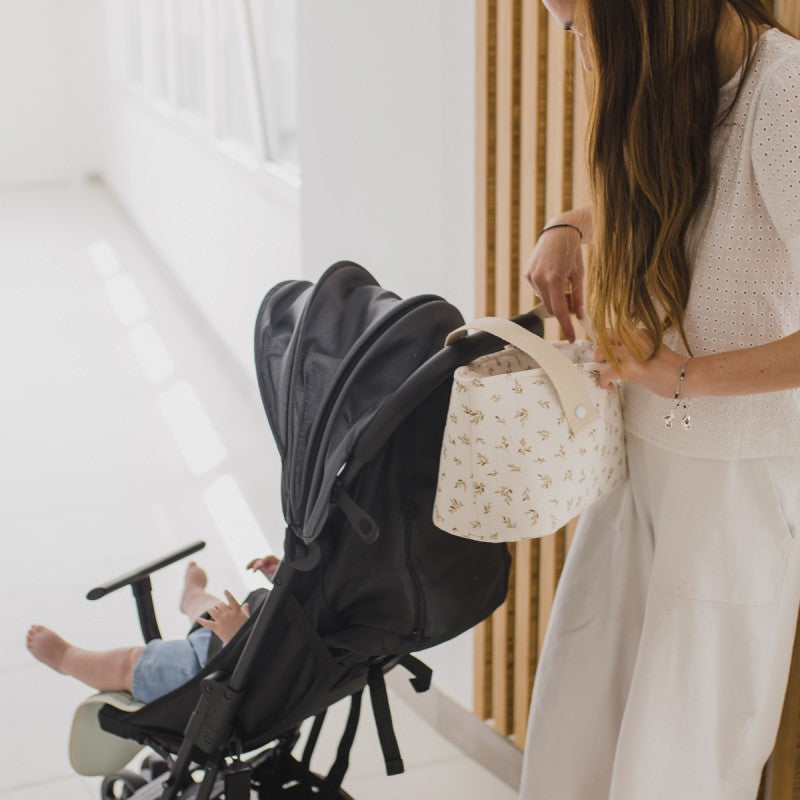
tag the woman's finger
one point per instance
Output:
(560, 311)
(607, 377)
(576, 283)
(232, 601)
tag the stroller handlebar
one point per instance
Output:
(139, 581)
(142, 572)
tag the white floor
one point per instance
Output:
(125, 433)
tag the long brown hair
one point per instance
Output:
(655, 84)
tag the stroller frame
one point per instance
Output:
(209, 740)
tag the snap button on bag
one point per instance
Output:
(531, 440)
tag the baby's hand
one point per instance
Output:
(267, 565)
(226, 618)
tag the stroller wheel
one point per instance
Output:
(153, 766)
(119, 785)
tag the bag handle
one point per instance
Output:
(567, 381)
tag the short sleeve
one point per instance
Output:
(776, 151)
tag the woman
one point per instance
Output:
(666, 659)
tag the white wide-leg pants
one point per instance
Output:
(666, 658)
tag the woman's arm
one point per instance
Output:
(580, 218)
(555, 267)
(770, 367)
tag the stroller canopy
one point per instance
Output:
(328, 357)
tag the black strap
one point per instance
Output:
(383, 722)
(238, 779)
(332, 783)
(311, 742)
(363, 524)
(422, 673)
(296, 615)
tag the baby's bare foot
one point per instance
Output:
(194, 581)
(47, 646)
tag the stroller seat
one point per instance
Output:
(93, 751)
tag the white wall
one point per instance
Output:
(387, 141)
(227, 235)
(387, 121)
(51, 79)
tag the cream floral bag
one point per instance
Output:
(531, 440)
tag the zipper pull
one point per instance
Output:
(362, 523)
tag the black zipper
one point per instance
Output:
(417, 631)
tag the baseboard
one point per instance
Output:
(456, 724)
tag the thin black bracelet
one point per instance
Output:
(563, 225)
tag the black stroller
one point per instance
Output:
(356, 384)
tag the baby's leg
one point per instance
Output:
(195, 600)
(106, 671)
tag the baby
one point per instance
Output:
(152, 670)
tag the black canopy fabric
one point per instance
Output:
(328, 356)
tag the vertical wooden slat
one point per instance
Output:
(482, 666)
(568, 123)
(789, 12)
(503, 659)
(504, 66)
(485, 219)
(508, 154)
(486, 155)
(531, 168)
(779, 778)
(581, 193)
(526, 633)
(557, 156)
(507, 231)
(533, 145)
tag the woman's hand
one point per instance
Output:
(555, 266)
(660, 374)
(226, 618)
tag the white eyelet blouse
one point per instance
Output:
(744, 252)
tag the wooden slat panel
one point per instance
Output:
(790, 15)
(532, 115)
